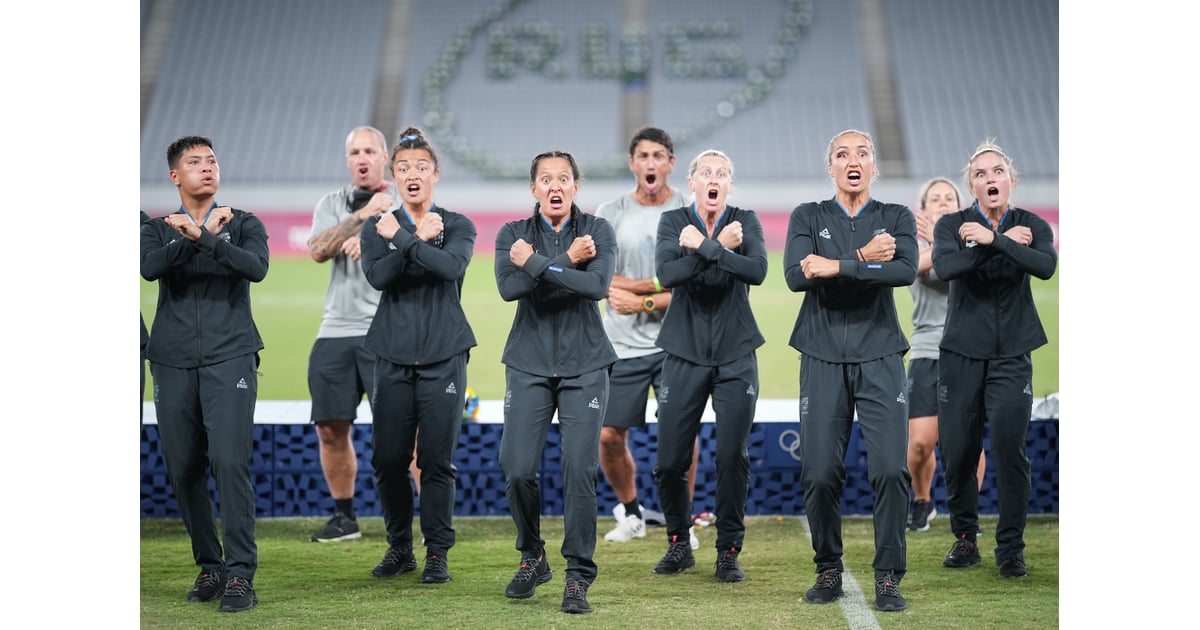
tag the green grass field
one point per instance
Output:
(288, 304)
(307, 585)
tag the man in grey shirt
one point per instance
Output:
(340, 370)
(633, 314)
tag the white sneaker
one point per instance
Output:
(652, 517)
(627, 529)
(694, 541)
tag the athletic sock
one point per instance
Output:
(633, 508)
(345, 506)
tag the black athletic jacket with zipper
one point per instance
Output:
(850, 318)
(420, 319)
(710, 321)
(556, 330)
(991, 313)
(203, 315)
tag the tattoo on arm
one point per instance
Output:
(327, 243)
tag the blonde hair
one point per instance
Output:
(989, 146)
(705, 153)
(940, 180)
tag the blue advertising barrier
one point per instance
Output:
(286, 467)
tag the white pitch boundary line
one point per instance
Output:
(853, 602)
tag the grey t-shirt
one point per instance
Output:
(636, 226)
(350, 302)
(930, 297)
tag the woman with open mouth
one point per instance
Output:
(557, 265)
(708, 253)
(987, 253)
(417, 254)
(847, 254)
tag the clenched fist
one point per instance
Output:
(583, 248)
(731, 235)
(387, 226)
(520, 252)
(430, 227)
(690, 237)
(881, 248)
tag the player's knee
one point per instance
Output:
(823, 480)
(921, 447)
(612, 440)
(889, 476)
(335, 433)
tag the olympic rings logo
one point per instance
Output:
(789, 441)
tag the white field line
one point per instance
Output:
(853, 602)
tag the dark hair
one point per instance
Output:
(413, 138)
(175, 151)
(535, 228)
(653, 134)
(537, 159)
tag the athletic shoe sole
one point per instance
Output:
(230, 609)
(824, 599)
(683, 567)
(541, 580)
(337, 539)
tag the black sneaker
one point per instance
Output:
(436, 571)
(575, 597)
(827, 588)
(964, 553)
(208, 587)
(395, 562)
(887, 594)
(340, 527)
(678, 557)
(238, 596)
(1014, 567)
(534, 570)
(922, 513)
(728, 569)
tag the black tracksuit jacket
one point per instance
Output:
(203, 315)
(420, 319)
(710, 321)
(991, 313)
(556, 331)
(850, 318)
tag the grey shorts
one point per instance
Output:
(340, 371)
(630, 381)
(922, 388)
